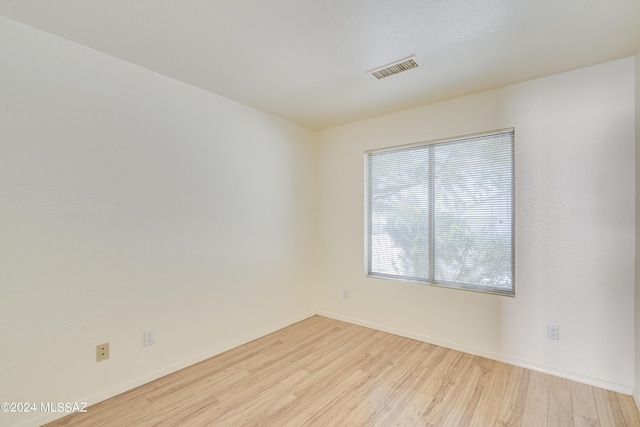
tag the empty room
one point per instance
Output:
(327, 213)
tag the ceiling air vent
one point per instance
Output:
(394, 68)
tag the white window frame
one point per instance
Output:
(470, 139)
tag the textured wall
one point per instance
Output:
(575, 227)
(130, 201)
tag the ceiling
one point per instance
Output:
(305, 60)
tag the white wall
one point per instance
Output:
(575, 222)
(131, 201)
(636, 393)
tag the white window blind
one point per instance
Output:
(443, 212)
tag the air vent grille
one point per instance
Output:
(394, 68)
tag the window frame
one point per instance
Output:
(368, 252)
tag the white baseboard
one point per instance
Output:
(152, 376)
(597, 382)
(636, 397)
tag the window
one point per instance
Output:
(442, 212)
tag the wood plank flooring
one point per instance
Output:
(322, 372)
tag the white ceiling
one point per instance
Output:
(305, 60)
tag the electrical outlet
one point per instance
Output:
(345, 294)
(102, 352)
(149, 338)
(553, 332)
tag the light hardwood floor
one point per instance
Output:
(323, 372)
